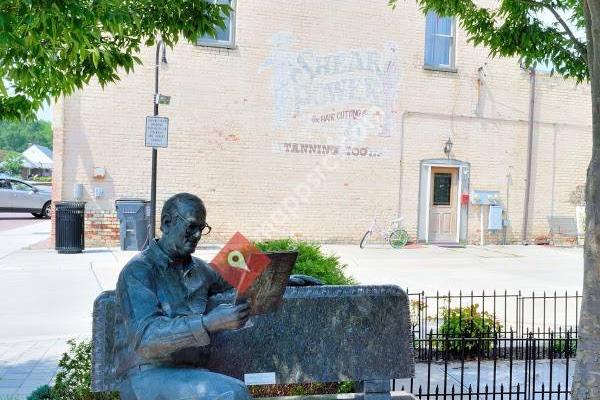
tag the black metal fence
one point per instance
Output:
(515, 313)
(495, 346)
(526, 368)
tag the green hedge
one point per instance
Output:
(311, 261)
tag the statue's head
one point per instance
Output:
(182, 222)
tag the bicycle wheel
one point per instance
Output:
(365, 239)
(398, 238)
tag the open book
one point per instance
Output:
(266, 293)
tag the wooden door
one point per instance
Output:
(442, 204)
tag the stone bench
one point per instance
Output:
(321, 334)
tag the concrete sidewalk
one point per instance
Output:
(432, 268)
(13, 240)
(503, 375)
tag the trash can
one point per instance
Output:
(69, 226)
(134, 221)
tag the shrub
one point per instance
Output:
(311, 260)
(12, 164)
(41, 393)
(43, 179)
(73, 381)
(467, 323)
(564, 347)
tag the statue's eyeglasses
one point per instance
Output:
(192, 228)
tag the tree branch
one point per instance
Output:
(578, 44)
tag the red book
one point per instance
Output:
(240, 263)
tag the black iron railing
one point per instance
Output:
(512, 312)
(538, 366)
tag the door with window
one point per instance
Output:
(443, 205)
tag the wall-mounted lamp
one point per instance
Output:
(448, 147)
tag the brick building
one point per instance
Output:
(309, 119)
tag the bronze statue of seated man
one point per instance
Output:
(162, 322)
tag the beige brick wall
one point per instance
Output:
(236, 113)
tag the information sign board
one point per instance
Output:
(157, 132)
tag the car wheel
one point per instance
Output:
(46, 210)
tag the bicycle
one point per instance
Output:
(394, 235)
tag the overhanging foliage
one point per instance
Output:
(515, 28)
(50, 48)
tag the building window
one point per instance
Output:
(439, 41)
(224, 37)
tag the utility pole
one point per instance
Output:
(160, 45)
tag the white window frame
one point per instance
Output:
(209, 41)
(452, 52)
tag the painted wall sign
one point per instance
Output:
(344, 98)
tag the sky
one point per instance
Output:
(45, 113)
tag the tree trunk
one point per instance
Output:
(586, 382)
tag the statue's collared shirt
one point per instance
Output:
(160, 307)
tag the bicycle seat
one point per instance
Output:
(397, 220)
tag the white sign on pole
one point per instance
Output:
(157, 132)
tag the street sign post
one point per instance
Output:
(157, 132)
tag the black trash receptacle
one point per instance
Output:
(134, 222)
(69, 226)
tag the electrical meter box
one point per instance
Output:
(485, 197)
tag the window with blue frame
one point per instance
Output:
(439, 41)
(224, 37)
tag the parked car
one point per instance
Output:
(17, 195)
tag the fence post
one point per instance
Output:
(429, 356)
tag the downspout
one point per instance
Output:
(402, 129)
(529, 156)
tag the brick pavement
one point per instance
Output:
(26, 365)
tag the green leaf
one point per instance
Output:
(47, 49)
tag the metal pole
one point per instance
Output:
(529, 156)
(154, 151)
(504, 227)
(481, 225)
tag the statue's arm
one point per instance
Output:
(154, 334)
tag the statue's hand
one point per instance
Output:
(303, 280)
(227, 316)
